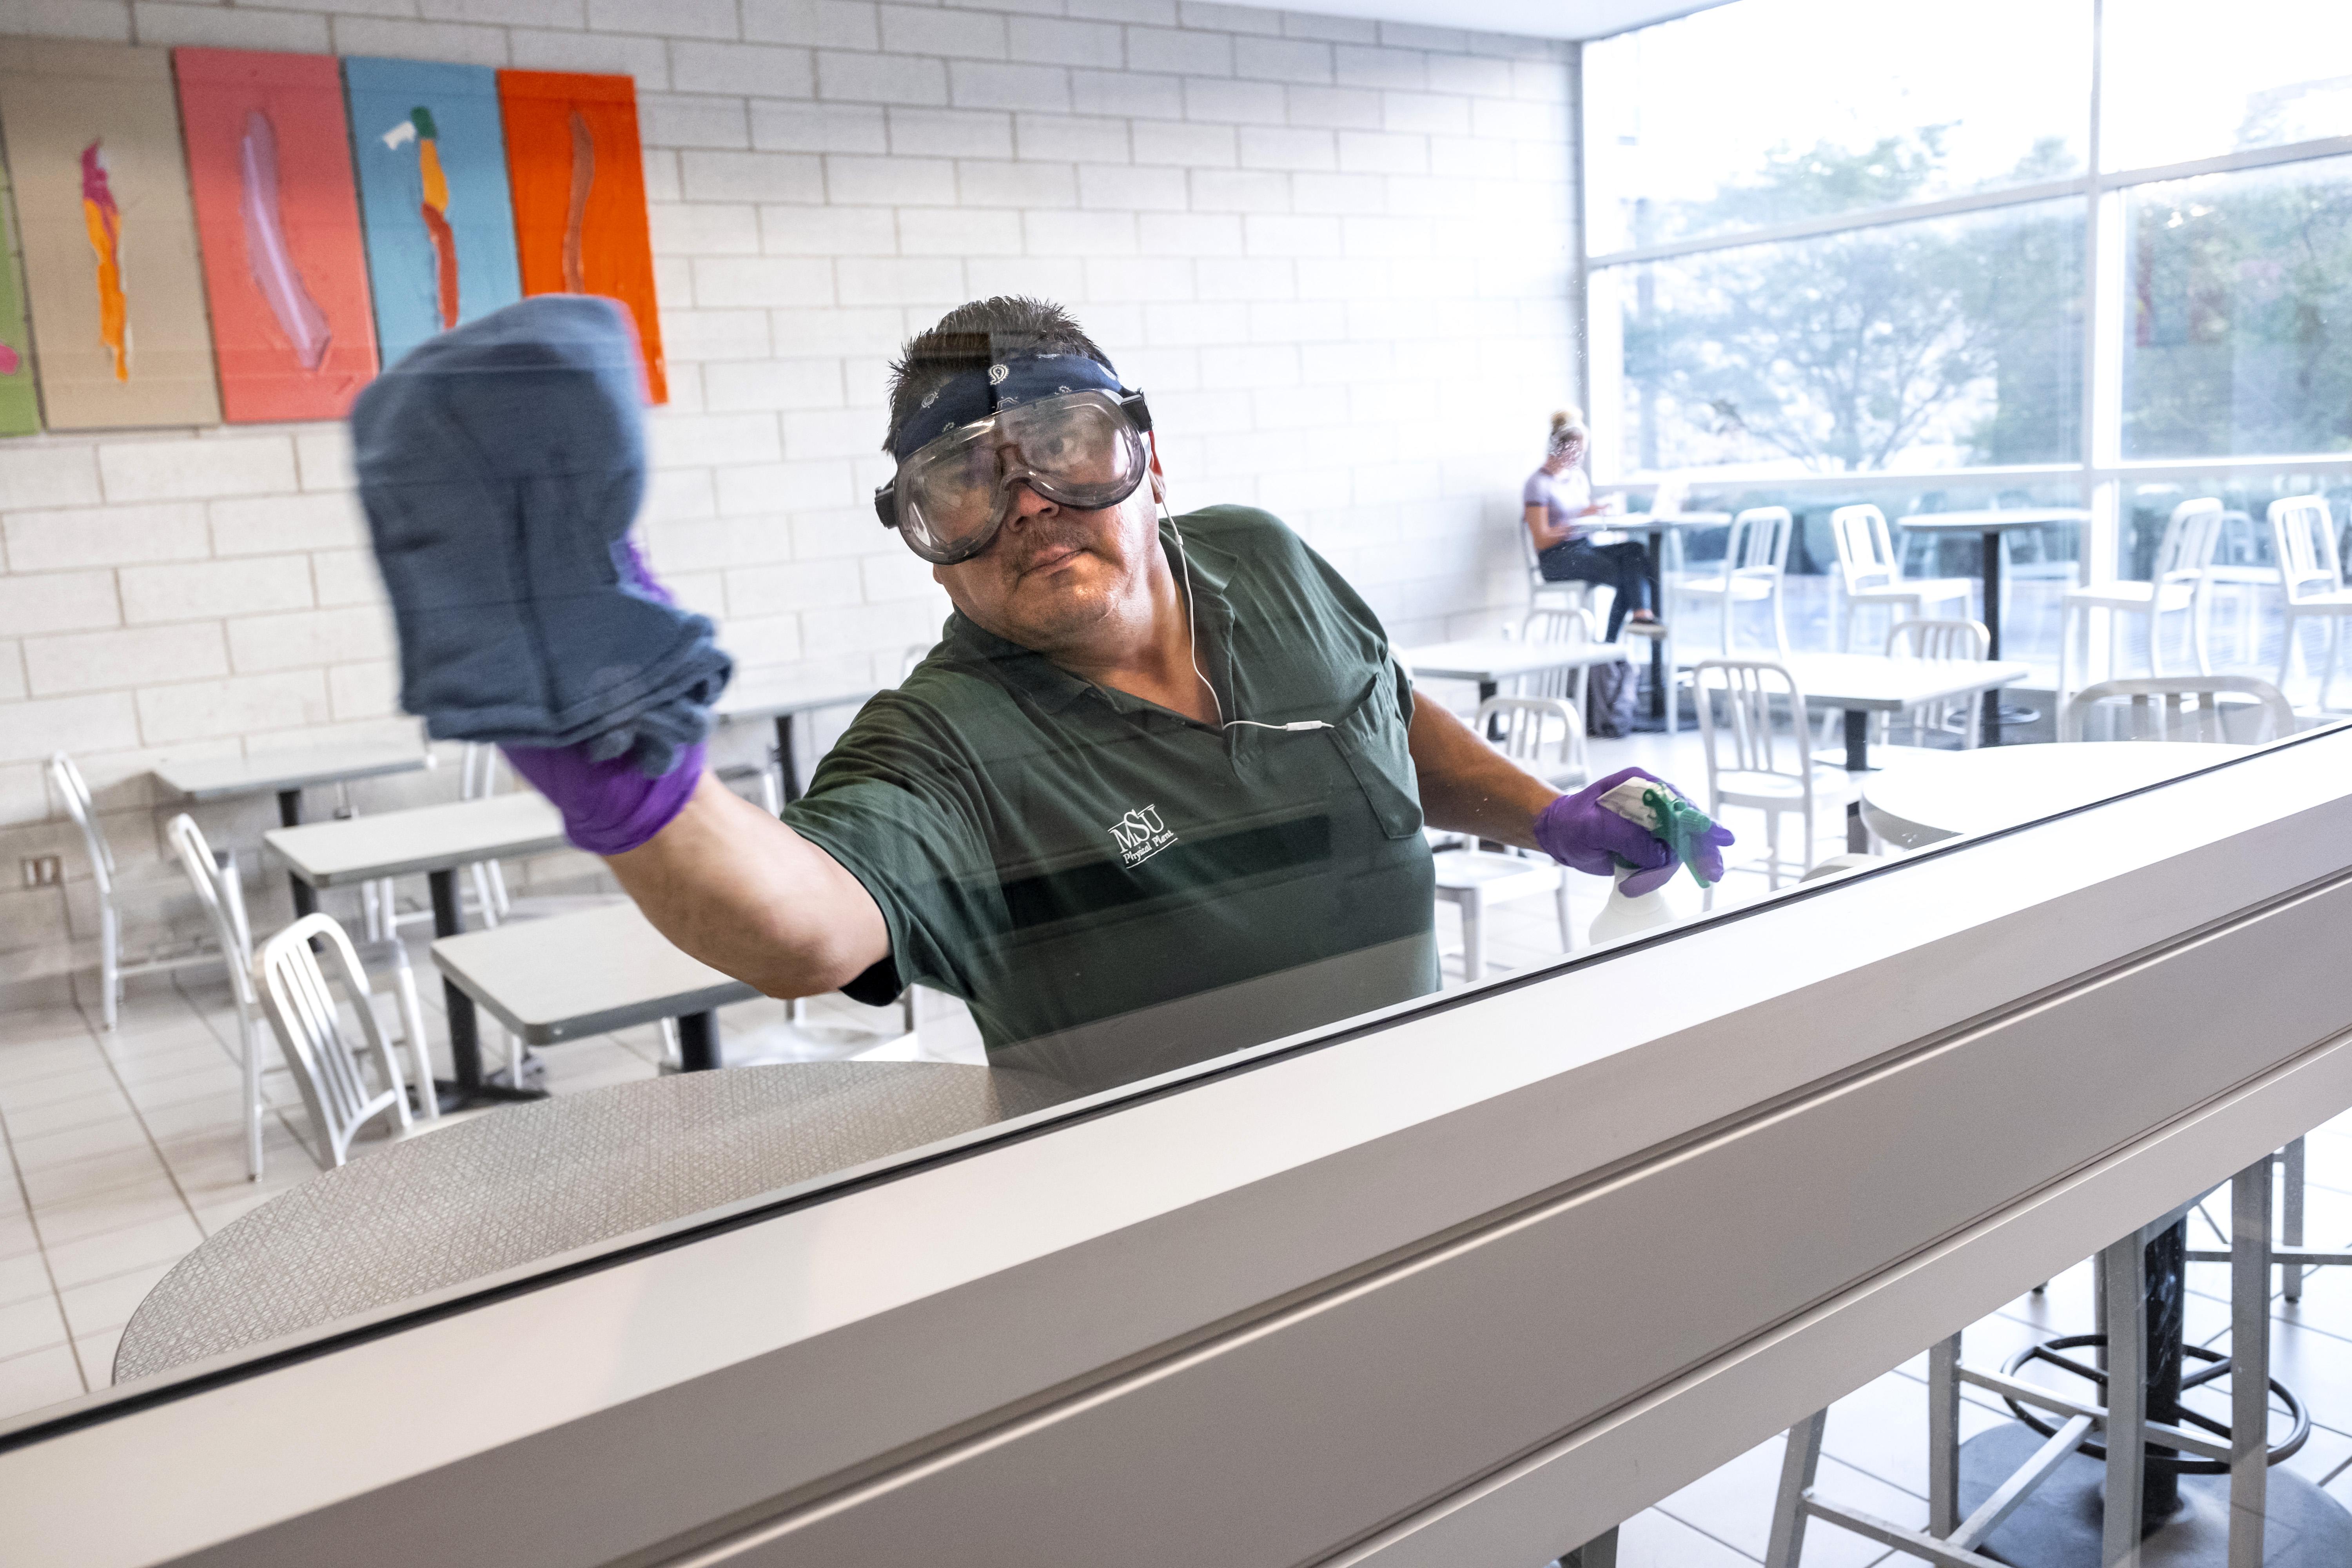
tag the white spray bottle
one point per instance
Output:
(1625, 915)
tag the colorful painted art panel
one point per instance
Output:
(579, 183)
(111, 271)
(278, 212)
(20, 405)
(431, 156)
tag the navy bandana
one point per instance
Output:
(1015, 379)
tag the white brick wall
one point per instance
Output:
(1334, 252)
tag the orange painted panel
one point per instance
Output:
(578, 184)
(277, 214)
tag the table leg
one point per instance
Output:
(698, 1042)
(785, 762)
(1659, 696)
(467, 1088)
(289, 815)
(1990, 567)
(1857, 761)
(1486, 688)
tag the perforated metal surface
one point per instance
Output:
(532, 1181)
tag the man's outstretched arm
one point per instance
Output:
(747, 896)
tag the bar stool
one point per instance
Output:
(2052, 1495)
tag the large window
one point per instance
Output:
(2239, 338)
(1932, 344)
(1831, 240)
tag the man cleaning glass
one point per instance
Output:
(1157, 795)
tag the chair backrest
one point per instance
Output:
(2303, 534)
(303, 1009)
(2237, 541)
(222, 894)
(2189, 537)
(1865, 550)
(477, 770)
(67, 780)
(1760, 541)
(1570, 627)
(2183, 708)
(1543, 732)
(1737, 722)
(1938, 639)
(1558, 627)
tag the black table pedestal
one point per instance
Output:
(2184, 1519)
(1996, 712)
(289, 815)
(468, 1088)
(698, 1042)
(2059, 1525)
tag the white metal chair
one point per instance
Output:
(1471, 879)
(1870, 573)
(2177, 587)
(1544, 735)
(1575, 628)
(310, 1021)
(1752, 760)
(2303, 534)
(2241, 574)
(66, 779)
(1544, 594)
(2184, 707)
(1755, 563)
(214, 876)
(1944, 641)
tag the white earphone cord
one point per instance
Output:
(1192, 642)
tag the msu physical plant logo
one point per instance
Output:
(1140, 835)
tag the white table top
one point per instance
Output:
(1499, 658)
(1878, 684)
(589, 974)
(1926, 797)
(1640, 521)
(1994, 520)
(217, 778)
(731, 710)
(424, 838)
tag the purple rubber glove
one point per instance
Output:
(608, 807)
(1580, 832)
(639, 572)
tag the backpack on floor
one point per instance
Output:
(1611, 694)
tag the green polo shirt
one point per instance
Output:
(1117, 889)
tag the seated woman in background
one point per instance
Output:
(1557, 496)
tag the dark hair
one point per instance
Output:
(974, 336)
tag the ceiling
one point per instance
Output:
(1532, 19)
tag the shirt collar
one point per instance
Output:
(1056, 688)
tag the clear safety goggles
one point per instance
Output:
(1080, 450)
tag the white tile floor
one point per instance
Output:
(124, 1153)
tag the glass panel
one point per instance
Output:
(1909, 346)
(2239, 336)
(2182, 84)
(1772, 110)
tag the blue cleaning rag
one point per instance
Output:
(500, 466)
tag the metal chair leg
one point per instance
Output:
(2121, 1266)
(1787, 1542)
(1944, 1437)
(2291, 1218)
(2250, 1360)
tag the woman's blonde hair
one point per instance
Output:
(1566, 429)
